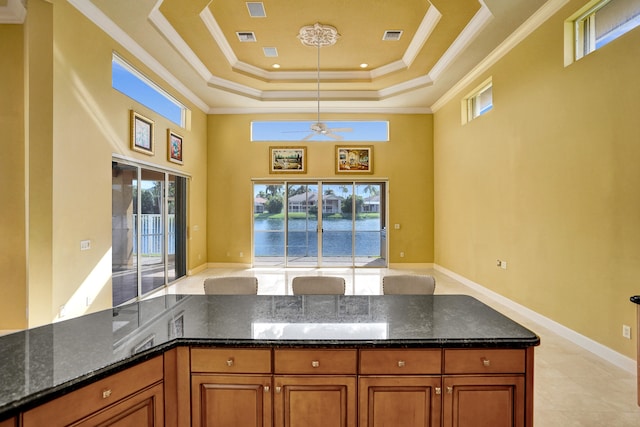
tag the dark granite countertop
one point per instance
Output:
(635, 298)
(39, 364)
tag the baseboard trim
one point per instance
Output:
(600, 350)
(409, 265)
(198, 269)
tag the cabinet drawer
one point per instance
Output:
(481, 361)
(327, 362)
(100, 394)
(229, 360)
(400, 362)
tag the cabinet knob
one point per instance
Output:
(278, 389)
(438, 390)
(315, 363)
(449, 390)
(267, 389)
(401, 363)
(106, 393)
(230, 362)
(486, 362)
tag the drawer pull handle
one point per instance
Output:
(315, 364)
(486, 362)
(230, 362)
(401, 363)
(106, 393)
(449, 390)
(278, 389)
(266, 389)
(438, 390)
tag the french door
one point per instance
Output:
(313, 224)
(148, 230)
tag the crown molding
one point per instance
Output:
(313, 110)
(14, 12)
(545, 12)
(95, 15)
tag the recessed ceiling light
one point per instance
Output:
(364, 65)
(276, 65)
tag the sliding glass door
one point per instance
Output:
(148, 230)
(311, 224)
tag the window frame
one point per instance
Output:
(470, 105)
(117, 59)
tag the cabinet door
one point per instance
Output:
(11, 422)
(315, 401)
(399, 401)
(231, 400)
(144, 409)
(483, 401)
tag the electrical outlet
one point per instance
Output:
(241, 254)
(626, 331)
(85, 245)
(401, 254)
(504, 265)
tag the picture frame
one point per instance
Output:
(287, 160)
(174, 147)
(141, 133)
(354, 159)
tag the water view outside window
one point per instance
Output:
(319, 224)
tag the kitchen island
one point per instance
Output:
(200, 360)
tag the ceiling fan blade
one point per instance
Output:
(340, 130)
(308, 137)
(334, 136)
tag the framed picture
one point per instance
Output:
(141, 133)
(288, 159)
(354, 159)
(174, 147)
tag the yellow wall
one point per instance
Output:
(13, 300)
(76, 121)
(406, 160)
(548, 181)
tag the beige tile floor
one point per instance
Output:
(573, 387)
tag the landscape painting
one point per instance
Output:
(288, 159)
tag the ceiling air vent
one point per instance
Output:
(246, 36)
(256, 9)
(270, 52)
(392, 35)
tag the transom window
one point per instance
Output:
(478, 102)
(602, 22)
(369, 131)
(131, 82)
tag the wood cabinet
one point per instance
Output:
(231, 387)
(130, 397)
(400, 388)
(231, 400)
(485, 388)
(315, 388)
(311, 387)
(11, 422)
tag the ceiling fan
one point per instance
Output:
(320, 35)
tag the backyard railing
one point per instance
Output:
(151, 233)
